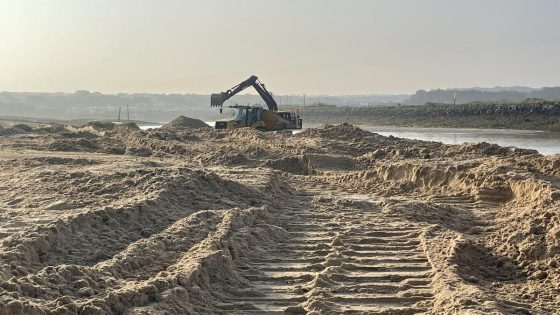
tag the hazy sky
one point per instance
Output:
(294, 46)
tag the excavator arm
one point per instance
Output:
(218, 99)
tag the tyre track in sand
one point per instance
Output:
(340, 257)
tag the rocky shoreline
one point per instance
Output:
(530, 115)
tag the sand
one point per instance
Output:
(184, 122)
(111, 220)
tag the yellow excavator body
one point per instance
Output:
(255, 117)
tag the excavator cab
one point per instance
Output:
(247, 115)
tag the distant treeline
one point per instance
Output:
(93, 105)
(165, 107)
(150, 106)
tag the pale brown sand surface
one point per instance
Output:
(106, 219)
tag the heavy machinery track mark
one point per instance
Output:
(343, 261)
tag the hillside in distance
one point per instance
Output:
(155, 107)
(152, 107)
(482, 95)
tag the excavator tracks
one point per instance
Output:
(351, 260)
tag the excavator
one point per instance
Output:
(254, 116)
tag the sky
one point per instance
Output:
(294, 46)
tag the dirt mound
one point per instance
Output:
(476, 263)
(223, 157)
(184, 122)
(485, 148)
(294, 165)
(351, 140)
(342, 131)
(85, 142)
(52, 128)
(9, 131)
(128, 126)
(454, 218)
(15, 129)
(100, 125)
(529, 234)
(138, 151)
(23, 127)
(331, 162)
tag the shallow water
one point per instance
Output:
(543, 141)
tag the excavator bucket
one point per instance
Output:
(217, 100)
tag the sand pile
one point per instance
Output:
(180, 220)
(34, 129)
(295, 165)
(101, 127)
(223, 157)
(184, 122)
(337, 132)
(484, 148)
(15, 129)
(108, 126)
